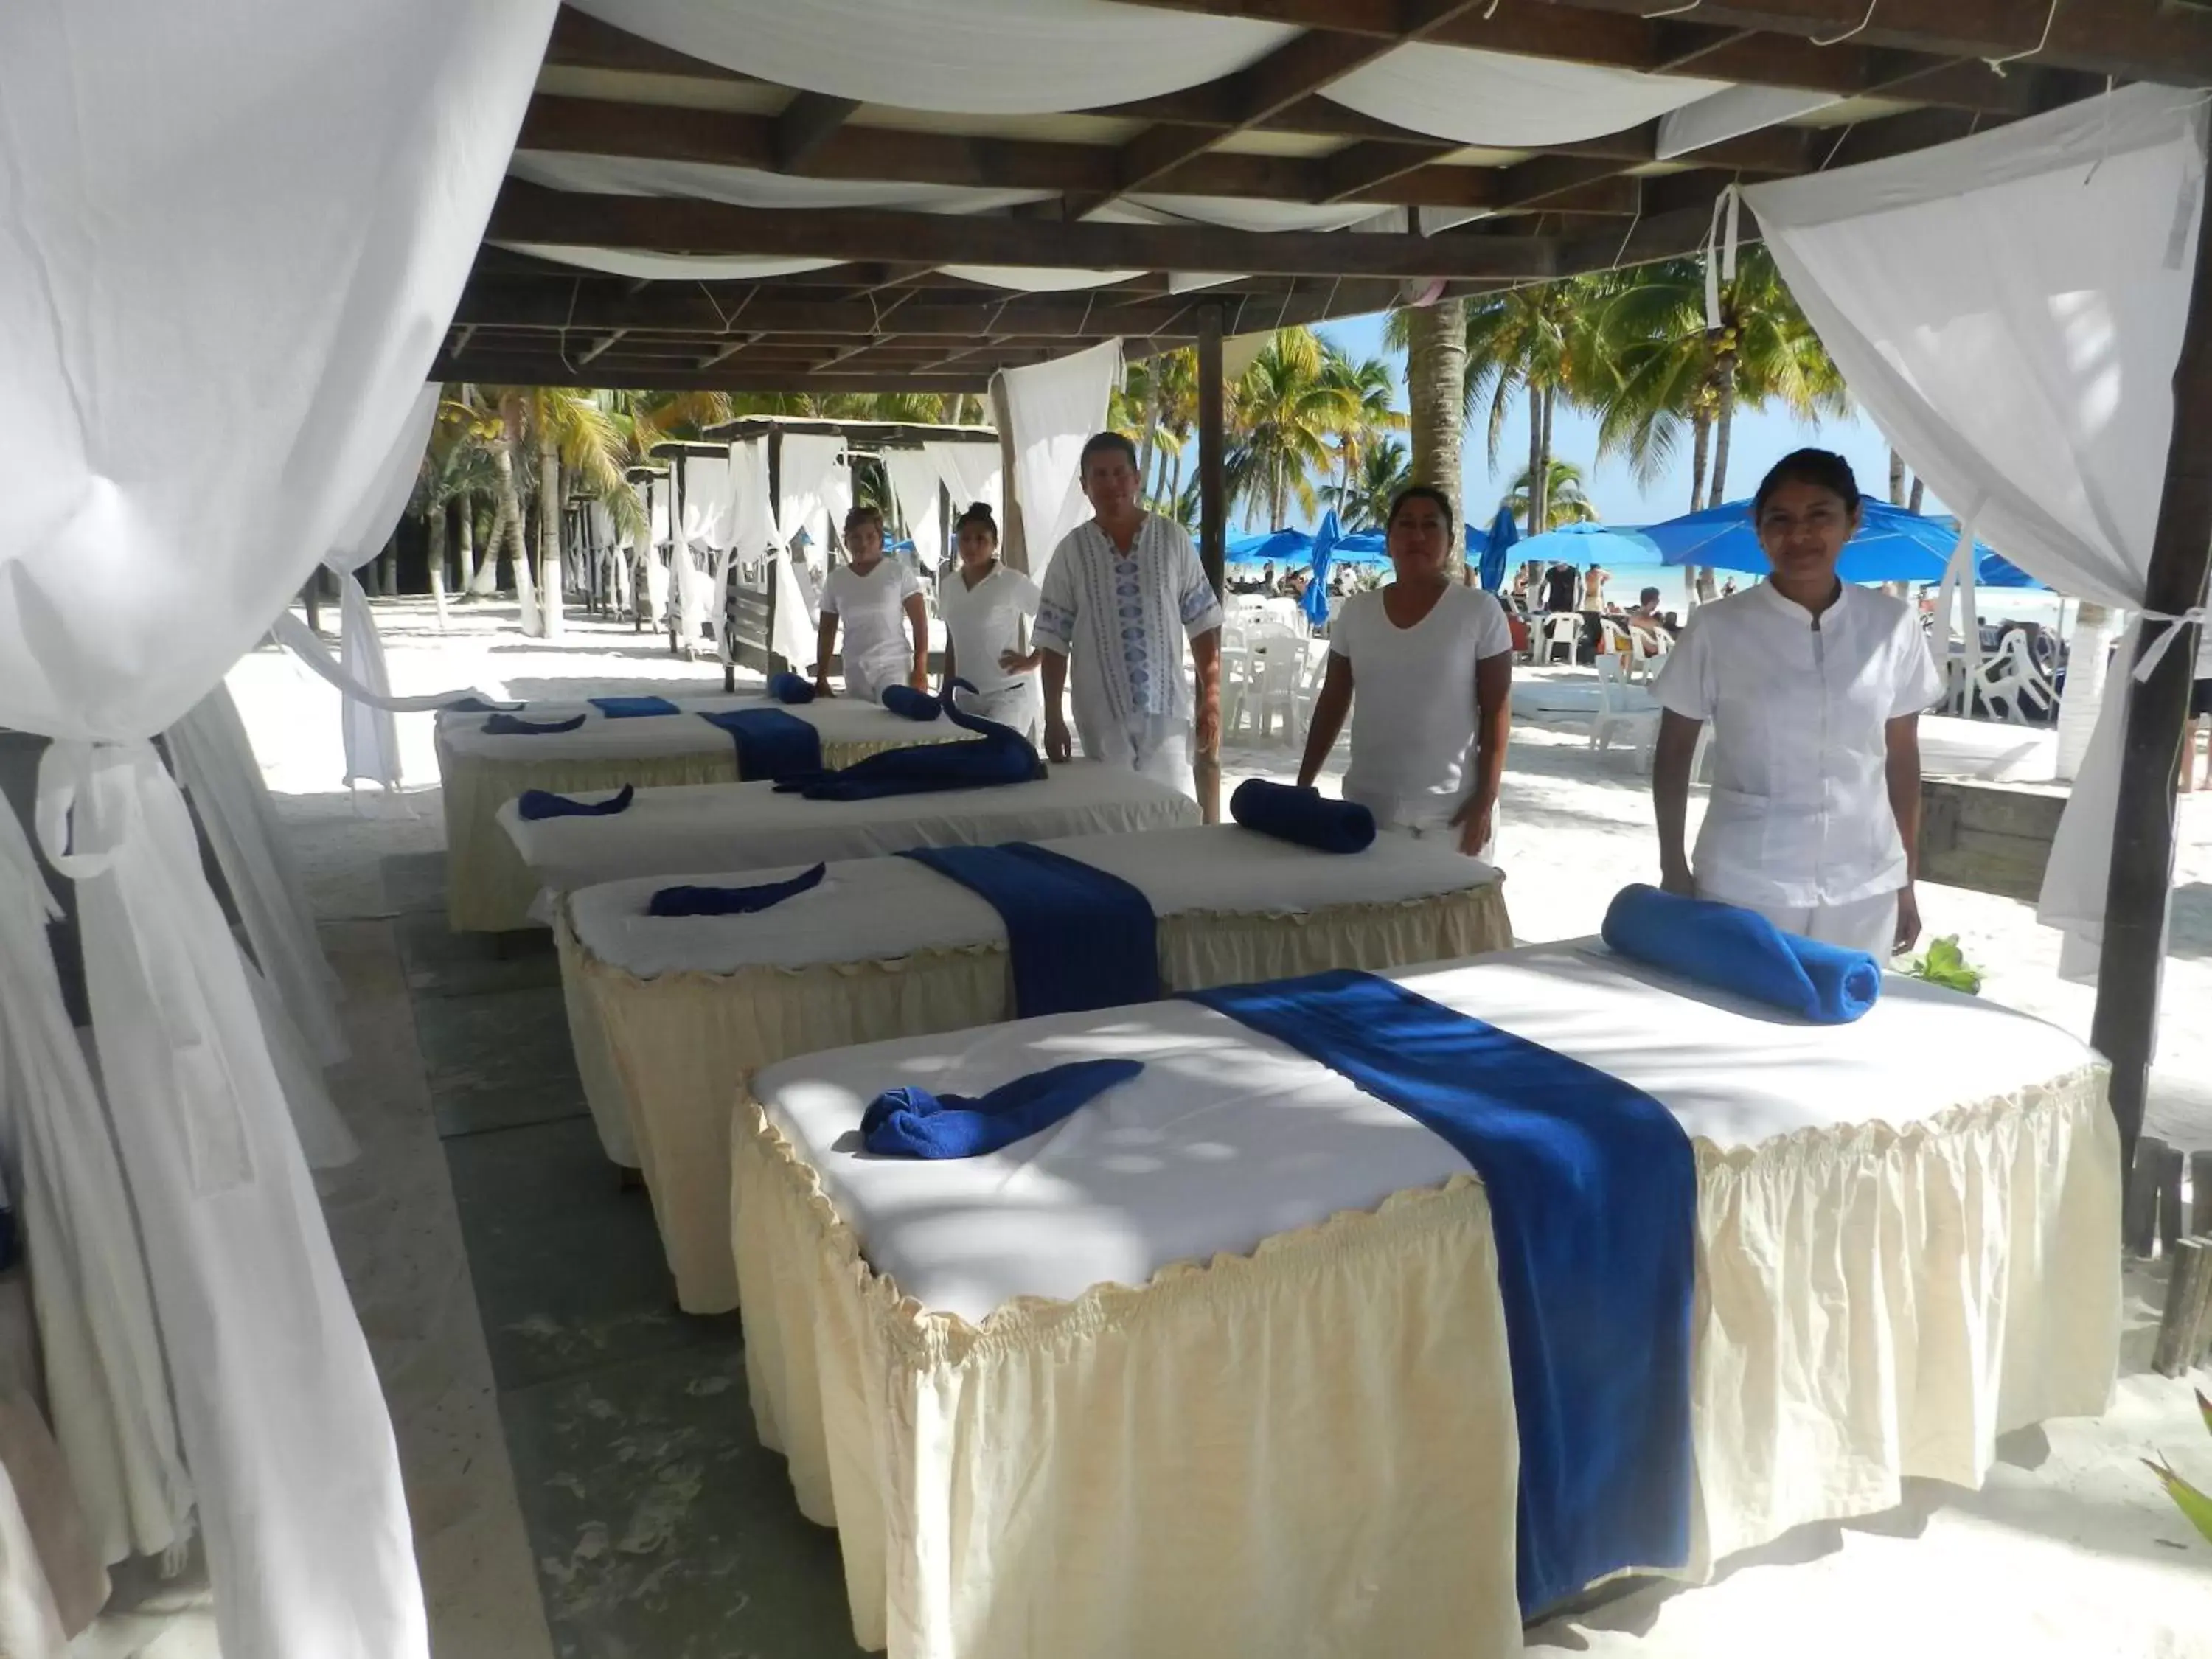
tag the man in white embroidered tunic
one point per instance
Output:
(1123, 593)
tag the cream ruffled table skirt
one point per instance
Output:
(660, 1057)
(1311, 1448)
(489, 888)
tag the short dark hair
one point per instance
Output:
(1649, 596)
(1823, 469)
(1098, 443)
(1419, 493)
(863, 513)
(978, 513)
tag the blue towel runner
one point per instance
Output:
(772, 745)
(1593, 1194)
(1003, 757)
(535, 805)
(1079, 937)
(630, 708)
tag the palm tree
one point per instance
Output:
(1286, 410)
(1566, 500)
(1362, 502)
(1372, 388)
(1672, 372)
(456, 468)
(558, 426)
(1434, 339)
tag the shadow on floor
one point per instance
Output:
(659, 1523)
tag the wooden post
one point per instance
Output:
(776, 664)
(2185, 1292)
(1013, 544)
(2139, 1209)
(310, 595)
(1213, 514)
(2200, 1193)
(2167, 1168)
(2126, 1028)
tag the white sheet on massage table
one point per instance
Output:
(1228, 1137)
(650, 737)
(731, 827)
(875, 909)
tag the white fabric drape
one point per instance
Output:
(107, 1387)
(215, 761)
(1054, 408)
(302, 642)
(1731, 113)
(2009, 309)
(992, 57)
(630, 175)
(970, 472)
(372, 741)
(1517, 103)
(914, 482)
(214, 341)
(647, 267)
(815, 488)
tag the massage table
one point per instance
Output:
(668, 1012)
(487, 889)
(1217, 1364)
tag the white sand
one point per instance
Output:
(2071, 1550)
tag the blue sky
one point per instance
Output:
(1756, 441)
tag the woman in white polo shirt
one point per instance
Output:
(885, 618)
(1814, 688)
(984, 605)
(1425, 665)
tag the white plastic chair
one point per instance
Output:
(1562, 631)
(1311, 682)
(1271, 689)
(1645, 652)
(1621, 711)
(2010, 676)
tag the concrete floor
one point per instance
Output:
(657, 1523)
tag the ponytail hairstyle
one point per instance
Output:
(978, 513)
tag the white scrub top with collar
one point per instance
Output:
(1800, 704)
(877, 648)
(981, 622)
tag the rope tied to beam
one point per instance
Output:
(1859, 27)
(1998, 65)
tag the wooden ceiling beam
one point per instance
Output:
(733, 376)
(526, 213)
(807, 123)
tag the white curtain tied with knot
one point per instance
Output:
(1054, 409)
(2009, 310)
(214, 345)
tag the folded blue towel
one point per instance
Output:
(630, 708)
(914, 1123)
(905, 700)
(788, 687)
(1080, 937)
(536, 804)
(732, 900)
(1593, 1193)
(1302, 816)
(1741, 952)
(1003, 757)
(505, 726)
(772, 745)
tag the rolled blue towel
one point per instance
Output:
(1302, 816)
(788, 687)
(536, 804)
(732, 901)
(911, 1122)
(910, 704)
(630, 708)
(1741, 952)
(505, 726)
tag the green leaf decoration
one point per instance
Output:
(2194, 1506)
(1946, 964)
(2204, 1410)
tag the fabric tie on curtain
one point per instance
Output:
(1055, 407)
(2009, 309)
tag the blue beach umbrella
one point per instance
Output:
(1503, 534)
(1592, 544)
(1276, 546)
(1893, 545)
(1315, 601)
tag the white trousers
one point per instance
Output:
(1867, 924)
(1155, 746)
(868, 677)
(1019, 705)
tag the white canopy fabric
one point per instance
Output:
(647, 267)
(1055, 407)
(914, 482)
(1039, 279)
(1512, 103)
(987, 56)
(630, 175)
(815, 489)
(971, 472)
(1732, 113)
(2009, 310)
(107, 1386)
(214, 342)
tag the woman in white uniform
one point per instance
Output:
(885, 619)
(1814, 689)
(984, 605)
(1426, 667)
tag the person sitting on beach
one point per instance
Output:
(879, 602)
(1645, 619)
(1425, 667)
(1814, 688)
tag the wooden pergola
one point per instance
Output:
(878, 313)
